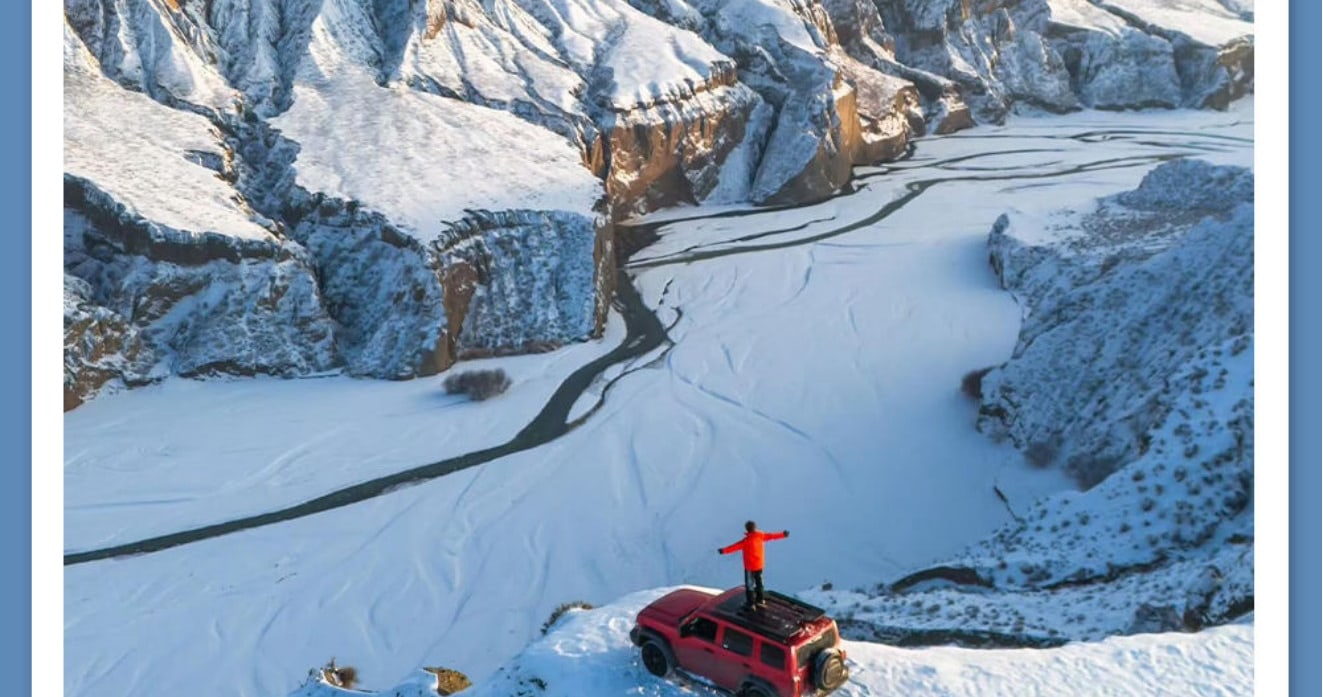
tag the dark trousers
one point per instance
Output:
(753, 586)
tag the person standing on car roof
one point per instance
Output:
(752, 545)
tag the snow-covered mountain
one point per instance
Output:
(386, 186)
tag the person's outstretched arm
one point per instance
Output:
(776, 535)
(731, 548)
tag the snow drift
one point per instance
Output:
(588, 654)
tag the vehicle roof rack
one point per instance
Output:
(780, 619)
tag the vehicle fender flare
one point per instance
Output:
(646, 633)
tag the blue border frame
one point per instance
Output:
(1306, 456)
(15, 382)
(1305, 349)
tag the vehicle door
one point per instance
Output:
(772, 666)
(696, 651)
(735, 658)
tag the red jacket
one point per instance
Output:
(752, 544)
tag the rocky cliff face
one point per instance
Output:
(1060, 55)
(100, 346)
(1172, 259)
(1134, 373)
(407, 182)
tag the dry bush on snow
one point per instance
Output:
(561, 610)
(340, 676)
(972, 383)
(448, 681)
(478, 384)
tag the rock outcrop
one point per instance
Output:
(1173, 259)
(1135, 373)
(501, 282)
(1060, 55)
(100, 347)
(188, 303)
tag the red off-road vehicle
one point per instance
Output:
(785, 648)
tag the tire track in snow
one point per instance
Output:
(636, 472)
(774, 421)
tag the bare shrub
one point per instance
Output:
(449, 681)
(340, 676)
(972, 383)
(478, 384)
(1089, 469)
(561, 610)
(1040, 453)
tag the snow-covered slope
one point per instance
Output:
(159, 164)
(1134, 373)
(1120, 302)
(354, 140)
(588, 654)
(182, 274)
(398, 152)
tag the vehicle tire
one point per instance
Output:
(754, 691)
(656, 658)
(829, 670)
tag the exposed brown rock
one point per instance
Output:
(100, 347)
(670, 151)
(887, 110)
(449, 681)
(954, 116)
(1237, 58)
(458, 281)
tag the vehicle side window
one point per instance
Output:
(737, 642)
(772, 655)
(704, 629)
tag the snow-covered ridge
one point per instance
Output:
(1133, 373)
(165, 166)
(588, 654)
(423, 160)
(1108, 298)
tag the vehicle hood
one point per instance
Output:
(676, 604)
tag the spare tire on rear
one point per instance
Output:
(829, 670)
